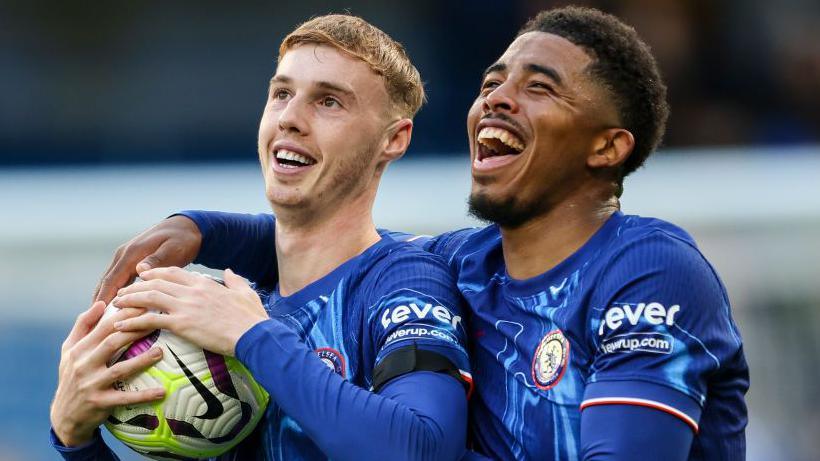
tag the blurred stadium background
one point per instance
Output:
(115, 114)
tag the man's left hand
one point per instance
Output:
(194, 307)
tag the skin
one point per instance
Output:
(567, 171)
(85, 394)
(322, 103)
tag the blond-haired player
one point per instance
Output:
(361, 342)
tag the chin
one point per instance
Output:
(507, 212)
(284, 198)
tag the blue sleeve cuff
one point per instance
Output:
(198, 217)
(644, 394)
(252, 336)
(94, 450)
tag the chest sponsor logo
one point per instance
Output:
(412, 311)
(656, 343)
(550, 360)
(653, 313)
(333, 359)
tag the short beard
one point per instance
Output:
(508, 213)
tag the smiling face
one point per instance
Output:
(322, 131)
(532, 128)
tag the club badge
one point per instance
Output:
(550, 360)
(333, 359)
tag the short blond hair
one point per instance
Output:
(362, 40)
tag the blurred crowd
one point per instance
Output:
(102, 82)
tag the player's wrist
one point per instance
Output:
(71, 435)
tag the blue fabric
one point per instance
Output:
(637, 303)
(621, 432)
(237, 237)
(417, 416)
(392, 295)
(94, 450)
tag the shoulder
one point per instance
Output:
(456, 244)
(652, 261)
(402, 259)
(649, 242)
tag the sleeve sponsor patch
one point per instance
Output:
(419, 331)
(657, 343)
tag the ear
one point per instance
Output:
(398, 139)
(611, 148)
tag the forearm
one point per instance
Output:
(417, 416)
(242, 242)
(95, 450)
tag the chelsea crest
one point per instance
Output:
(550, 360)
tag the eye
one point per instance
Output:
(330, 101)
(488, 86)
(280, 94)
(541, 86)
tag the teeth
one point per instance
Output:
(509, 139)
(283, 154)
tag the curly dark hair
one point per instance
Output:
(623, 64)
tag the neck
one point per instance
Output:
(308, 250)
(545, 241)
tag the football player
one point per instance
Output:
(360, 339)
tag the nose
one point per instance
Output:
(502, 98)
(292, 118)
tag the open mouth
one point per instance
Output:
(496, 142)
(289, 159)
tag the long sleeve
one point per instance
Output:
(95, 450)
(242, 242)
(419, 416)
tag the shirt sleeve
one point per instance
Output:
(94, 450)
(418, 416)
(416, 305)
(619, 432)
(660, 328)
(242, 242)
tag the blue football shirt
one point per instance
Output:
(636, 316)
(391, 296)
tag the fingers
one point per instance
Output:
(157, 284)
(151, 300)
(121, 271)
(172, 274)
(123, 370)
(84, 324)
(113, 398)
(236, 282)
(149, 321)
(168, 254)
(104, 352)
(104, 328)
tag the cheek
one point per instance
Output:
(473, 116)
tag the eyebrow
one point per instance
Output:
(547, 71)
(336, 88)
(280, 79)
(329, 86)
(497, 67)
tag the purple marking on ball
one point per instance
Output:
(140, 346)
(219, 373)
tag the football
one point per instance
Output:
(211, 403)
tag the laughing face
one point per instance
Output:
(532, 127)
(321, 131)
